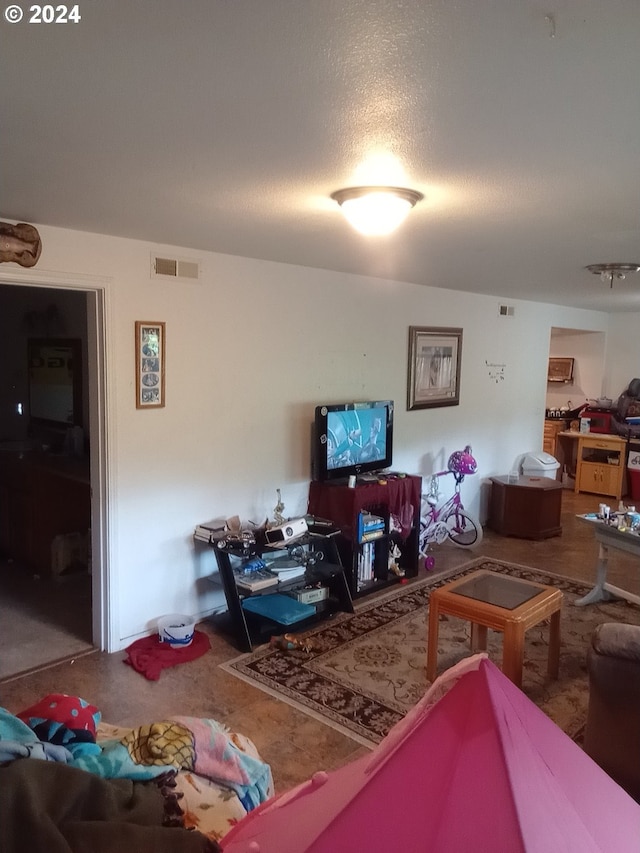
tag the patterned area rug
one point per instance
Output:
(367, 669)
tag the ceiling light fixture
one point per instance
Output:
(608, 272)
(376, 211)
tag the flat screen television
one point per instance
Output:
(352, 438)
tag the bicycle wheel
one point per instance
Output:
(464, 531)
(431, 532)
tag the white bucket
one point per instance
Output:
(176, 629)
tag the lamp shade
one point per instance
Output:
(376, 211)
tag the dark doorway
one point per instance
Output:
(45, 492)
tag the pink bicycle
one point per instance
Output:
(450, 520)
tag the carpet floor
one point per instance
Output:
(366, 670)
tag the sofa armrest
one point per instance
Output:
(612, 734)
(614, 639)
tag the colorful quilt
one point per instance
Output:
(219, 775)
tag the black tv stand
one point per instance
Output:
(250, 629)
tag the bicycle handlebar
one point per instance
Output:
(456, 476)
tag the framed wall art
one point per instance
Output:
(435, 357)
(150, 364)
(560, 370)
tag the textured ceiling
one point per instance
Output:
(225, 125)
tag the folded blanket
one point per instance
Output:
(17, 740)
(218, 758)
(189, 743)
(12, 728)
(11, 749)
(56, 808)
(114, 761)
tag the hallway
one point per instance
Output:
(41, 620)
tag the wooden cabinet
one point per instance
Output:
(551, 429)
(600, 464)
(598, 479)
(41, 497)
(528, 508)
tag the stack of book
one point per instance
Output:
(366, 564)
(254, 576)
(255, 581)
(285, 575)
(210, 530)
(370, 527)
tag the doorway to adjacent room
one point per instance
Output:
(43, 618)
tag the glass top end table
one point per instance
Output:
(503, 603)
(500, 590)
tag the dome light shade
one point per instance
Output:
(376, 211)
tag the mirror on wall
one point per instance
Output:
(55, 381)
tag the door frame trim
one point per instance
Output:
(97, 289)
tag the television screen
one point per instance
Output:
(352, 438)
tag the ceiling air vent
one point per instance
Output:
(506, 311)
(174, 268)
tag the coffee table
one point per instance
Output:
(492, 600)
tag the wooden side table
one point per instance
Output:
(491, 600)
(528, 507)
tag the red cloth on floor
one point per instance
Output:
(149, 656)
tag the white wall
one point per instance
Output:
(251, 349)
(623, 352)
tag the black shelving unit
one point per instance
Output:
(250, 629)
(342, 504)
